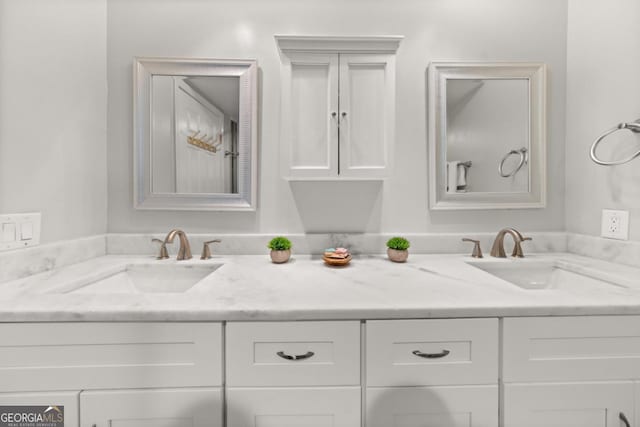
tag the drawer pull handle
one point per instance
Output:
(307, 355)
(624, 419)
(443, 353)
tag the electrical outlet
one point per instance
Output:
(615, 224)
(19, 230)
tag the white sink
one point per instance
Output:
(142, 278)
(542, 275)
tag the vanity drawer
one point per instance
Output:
(81, 356)
(571, 348)
(432, 352)
(293, 353)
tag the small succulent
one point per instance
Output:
(279, 244)
(398, 243)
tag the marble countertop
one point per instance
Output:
(252, 288)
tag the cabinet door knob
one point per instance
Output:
(333, 114)
(443, 353)
(624, 419)
(344, 114)
(307, 355)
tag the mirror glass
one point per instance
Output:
(195, 136)
(486, 135)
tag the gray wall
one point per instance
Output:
(531, 30)
(53, 97)
(603, 89)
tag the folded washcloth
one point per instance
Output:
(336, 253)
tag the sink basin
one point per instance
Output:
(542, 275)
(143, 278)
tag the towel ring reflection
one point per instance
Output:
(522, 152)
(633, 127)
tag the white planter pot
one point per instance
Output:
(397, 256)
(280, 257)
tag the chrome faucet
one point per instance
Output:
(185, 249)
(497, 250)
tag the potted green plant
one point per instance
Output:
(397, 249)
(280, 249)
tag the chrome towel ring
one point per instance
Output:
(633, 127)
(522, 152)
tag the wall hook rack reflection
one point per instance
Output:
(633, 127)
(205, 142)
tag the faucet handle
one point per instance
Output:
(517, 248)
(163, 249)
(206, 251)
(477, 252)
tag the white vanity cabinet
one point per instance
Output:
(116, 374)
(289, 374)
(571, 371)
(338, 107)
(581, 371)
(432, 373)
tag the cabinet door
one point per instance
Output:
(462, 406)
(196, 407)
(367, 114)
(568, 404)
(310, 115)
(293, 407)
(63, 403)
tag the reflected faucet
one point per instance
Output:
(497, 250)
(185, 249)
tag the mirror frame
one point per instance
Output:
(535, 74)
(246, 70)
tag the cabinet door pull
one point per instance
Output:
(443, 353)
(624, 419)
(344, 114)
(307, 355)
(333, 114)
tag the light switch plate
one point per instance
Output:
(19, 230)
(615, 224)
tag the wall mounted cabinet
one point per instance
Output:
(338, 106)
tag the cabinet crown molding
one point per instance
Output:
(331, 44)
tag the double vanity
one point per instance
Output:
(551, 339)
(443, 340)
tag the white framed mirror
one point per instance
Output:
(487, 135)
(195, 134)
